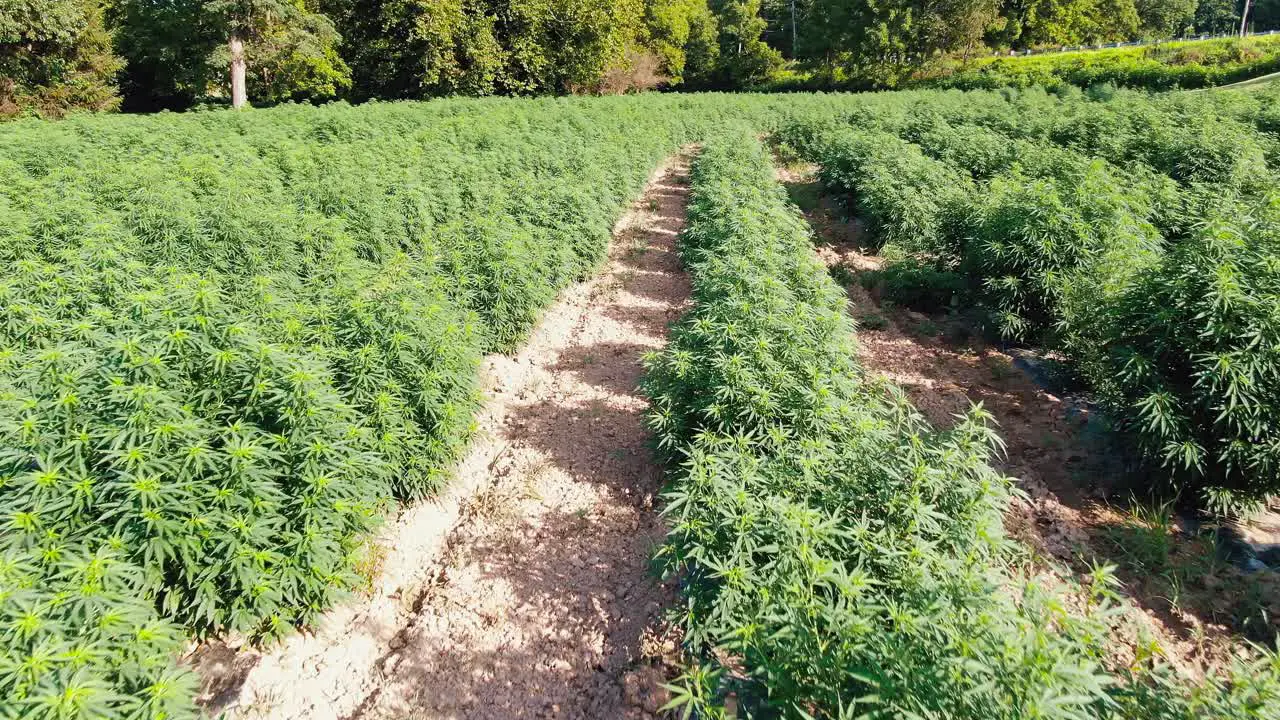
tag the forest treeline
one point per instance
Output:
(60, 55)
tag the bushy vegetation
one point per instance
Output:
(1191, 64)
(229, 343)
(1085, 225)
(839, 557)
(1192, 349)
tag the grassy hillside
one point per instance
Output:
(1172, 65)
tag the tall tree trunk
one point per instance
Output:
(1244, 18)
(238, 94)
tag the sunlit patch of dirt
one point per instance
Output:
(526, 590)
(1181, 600)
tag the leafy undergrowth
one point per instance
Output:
(839, 557)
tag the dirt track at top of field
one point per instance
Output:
(525, 590)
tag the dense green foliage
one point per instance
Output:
(1135, 233)
(78, 641)
(1174, 65)
(839, 557)
(176, 52)
(858, 44)
(229, 342)
(55, 56)
(827, 538)
(1194, 349)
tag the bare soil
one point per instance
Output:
(1182, 600)
(524, 591)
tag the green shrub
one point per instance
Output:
(147, 414)
(1075, 235)
(1031, 240)
(918, 284)
(1190, 357)
(78, 641)
(1191, 143)
(981, 151)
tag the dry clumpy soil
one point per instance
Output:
(1073, 513)
(525, 591)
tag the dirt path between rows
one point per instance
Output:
(525, 591)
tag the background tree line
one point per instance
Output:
(57, 55)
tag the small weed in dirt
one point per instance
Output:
(917, 284)
(1001, 367)
(785, 155)
(372, 555)
(653, 205)
(498, 501)
(1254, 612)
(1144, 538)
(872, 321)
(806, 196)
(843, 275)
(927, 328)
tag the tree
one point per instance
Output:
(1165, 18)
(825, 32)
(418, 48)
(168, 47)
(1033, 23)
(1264, 15)
(55, 56)
(295, 49)
(947, 26)
(1216, 17)
(745, 58)
(1115, 21)
(683, 33)
(883, 41)
(560, 46)
(424, 48)
(181, 51)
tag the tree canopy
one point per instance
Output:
(61, 55)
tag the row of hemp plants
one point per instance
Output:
(231, 342)
(838, 557)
